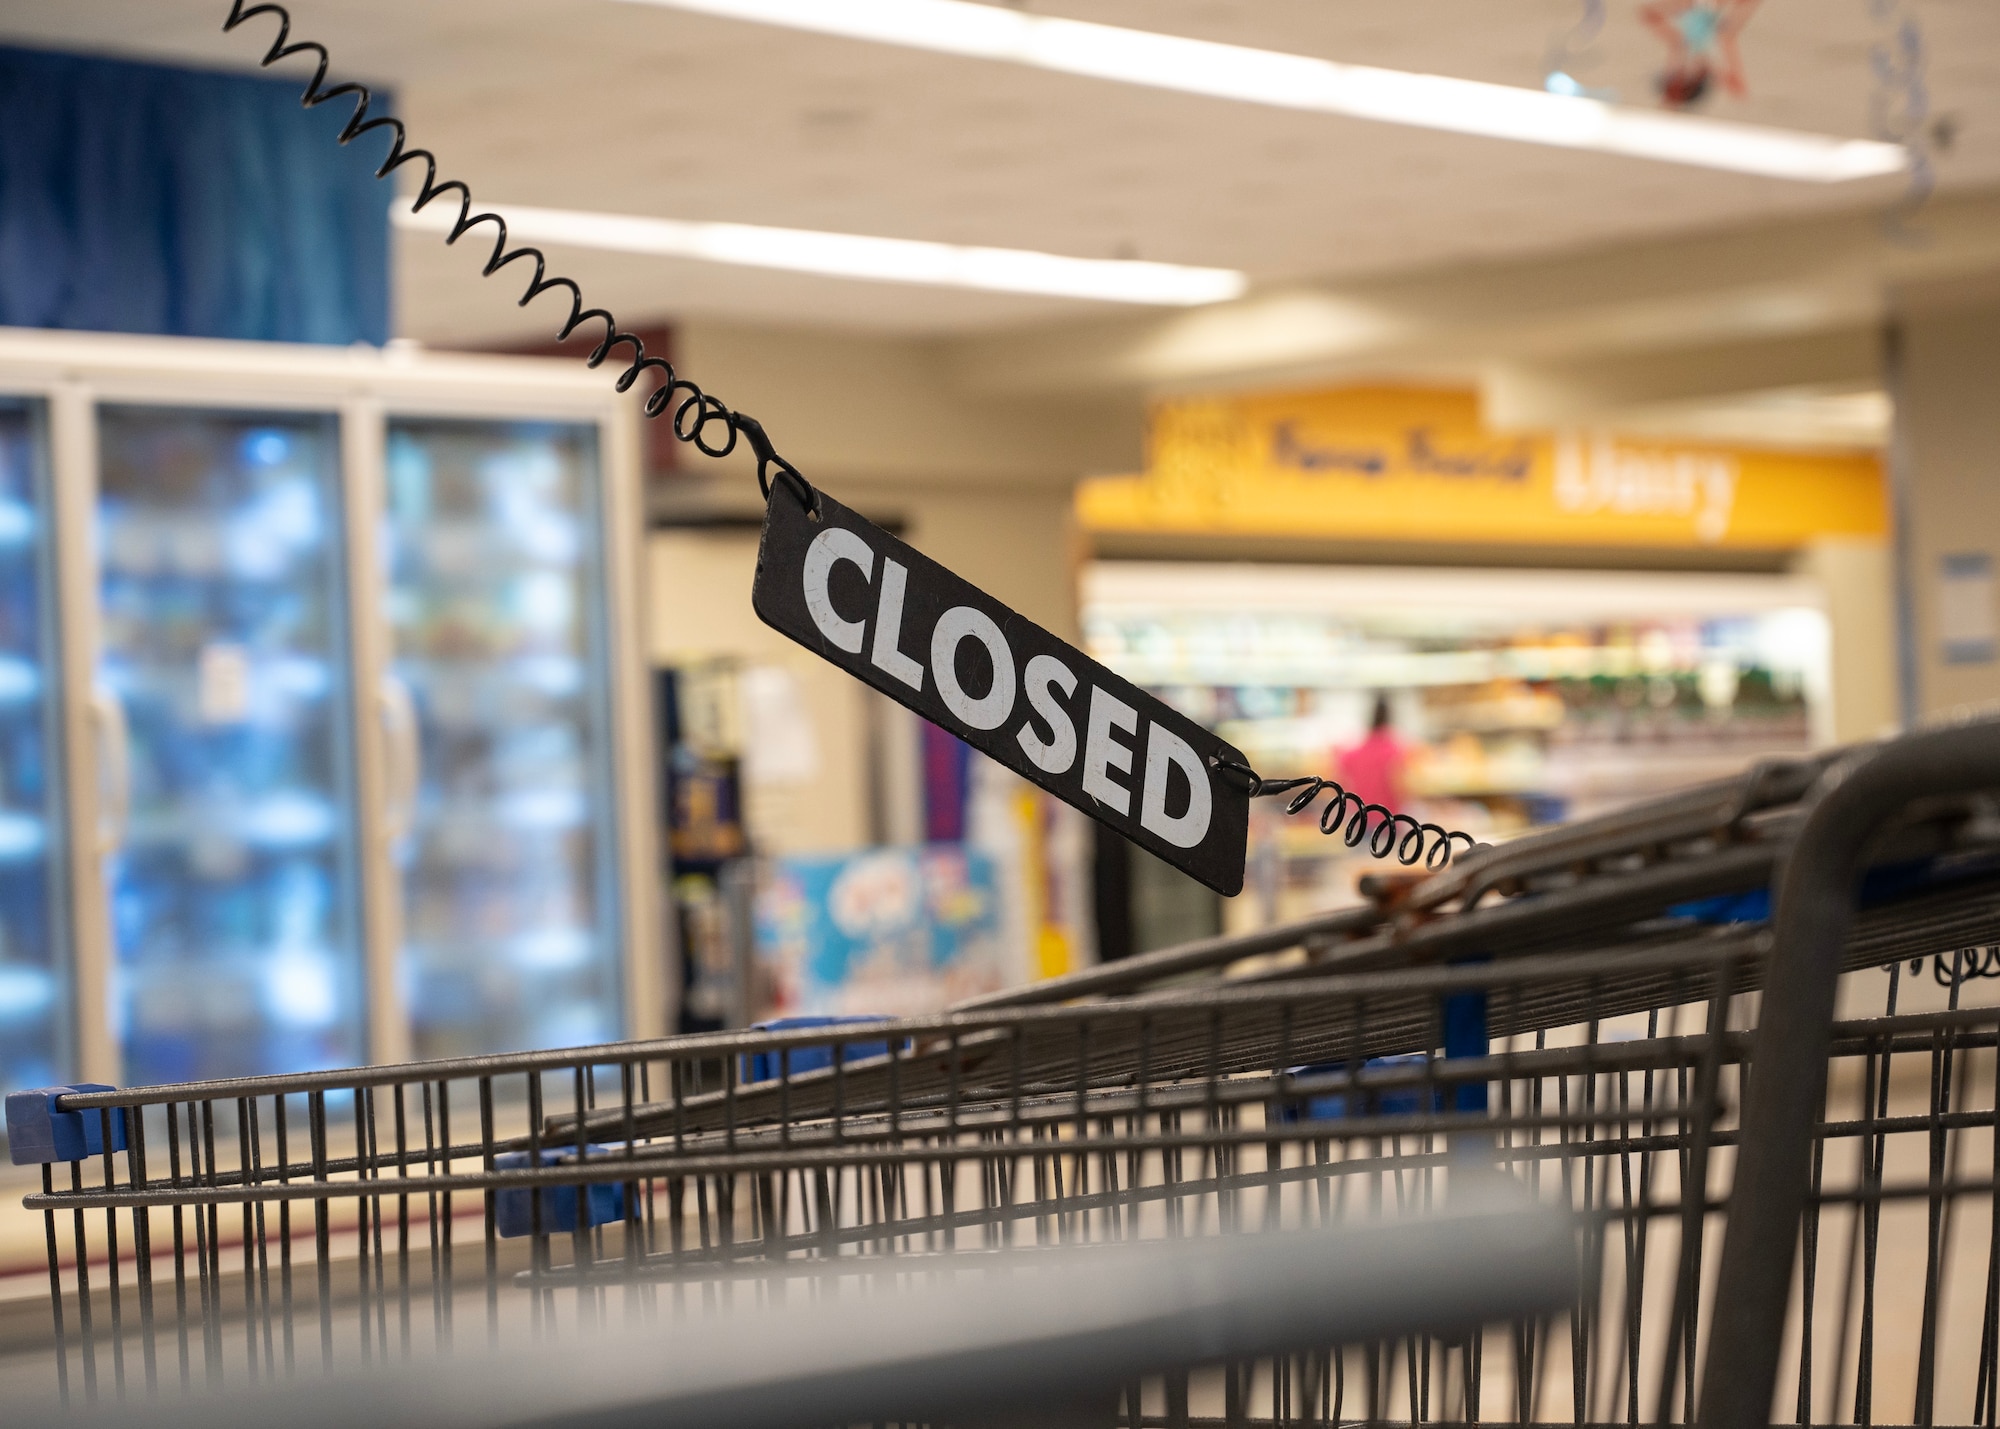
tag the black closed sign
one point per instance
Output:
(892, 617)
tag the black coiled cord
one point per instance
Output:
(1348, 813)
(698, 418)
(1961, 966)
(713, 428)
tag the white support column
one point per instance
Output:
(73, 517)
(361, 455)
(1948, 453)
(648, 947)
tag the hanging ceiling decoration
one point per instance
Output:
(1700, 36)
(1901, 107)
(1574, 52)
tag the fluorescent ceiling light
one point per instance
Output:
(851, 255)
(1428, 101)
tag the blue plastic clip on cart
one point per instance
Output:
(513, 1206)
(37, 1133)
(1464, 1017)
(765, 1066)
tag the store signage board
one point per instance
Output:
(1421, 465)
(898, 621)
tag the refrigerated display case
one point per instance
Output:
(491, 542)
(35, 1040)
(235, 900)
(345, 754)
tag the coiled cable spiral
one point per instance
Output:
(713, 428)
(1347, 814)
(698, 418)
(1962, 965)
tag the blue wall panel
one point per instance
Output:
(141, 198)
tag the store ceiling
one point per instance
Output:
(590, 104)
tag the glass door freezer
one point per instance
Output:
(235, 895)
(495, 602)
(323, 726)
(36, 1042)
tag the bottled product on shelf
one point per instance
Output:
(710, 876)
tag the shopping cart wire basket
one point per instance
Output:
(1775, 1160)
(1046, 1337)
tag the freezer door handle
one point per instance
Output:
(114, 769)
(403, 757)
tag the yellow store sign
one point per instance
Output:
(1412, 464)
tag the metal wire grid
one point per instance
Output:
(1249, 1102)
(1603, 883)
(309, 1220)
(1905, 1175)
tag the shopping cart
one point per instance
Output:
(1576, 1014)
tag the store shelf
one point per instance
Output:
(1520, 697)
(1342, 669)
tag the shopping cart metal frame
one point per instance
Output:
(1848, 812)
(1142, 1104)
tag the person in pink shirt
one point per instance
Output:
(1374, 769)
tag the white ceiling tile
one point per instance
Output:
(633, 109)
